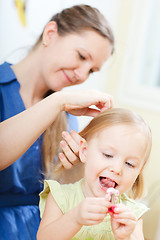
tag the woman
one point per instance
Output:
(75, 43)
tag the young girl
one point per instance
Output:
(115, 148)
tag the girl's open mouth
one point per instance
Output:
(106, 183)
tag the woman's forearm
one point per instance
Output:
(19, 132)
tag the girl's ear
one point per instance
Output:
(83, 150)
(49, 31)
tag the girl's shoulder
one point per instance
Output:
(139, 207)
(65, 195)
(53, 186)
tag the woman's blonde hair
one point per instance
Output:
(119, 116)
(75, 19)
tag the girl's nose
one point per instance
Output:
(116, 167)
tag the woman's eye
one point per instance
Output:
(91, 71)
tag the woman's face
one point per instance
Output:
(69, 60)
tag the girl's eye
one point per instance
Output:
(130, 164)
(108, 155)
(81, 56)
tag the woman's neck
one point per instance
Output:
(28, 73)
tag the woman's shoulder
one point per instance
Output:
(6, 73)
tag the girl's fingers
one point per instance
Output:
(97, 205)
(97, 209)
(121, 208)
(96, 216)
(126, 216)
(125, 221)
(122, 212)
(93, 222)
(102, 211)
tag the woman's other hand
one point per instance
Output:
(70, 147)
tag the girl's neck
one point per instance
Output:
(85, 189)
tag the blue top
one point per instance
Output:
(20, 183)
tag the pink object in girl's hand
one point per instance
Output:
(113, 197)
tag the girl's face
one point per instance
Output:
(69, 60)
(114, 157)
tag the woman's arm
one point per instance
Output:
(21, 131)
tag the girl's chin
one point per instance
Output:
(101, 192)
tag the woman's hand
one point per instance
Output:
(123, 222)
(70, 147)
(79, 102)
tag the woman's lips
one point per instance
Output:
(67, 78)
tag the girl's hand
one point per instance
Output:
(123, 222)
(91, 211)
(79, 102)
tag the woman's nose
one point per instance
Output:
(81, 73)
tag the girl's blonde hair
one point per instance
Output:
(75, 19)
(119, 116)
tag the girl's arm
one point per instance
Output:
(58, 226)
(18, 133)
(55, 225)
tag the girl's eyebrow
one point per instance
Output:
(107, 148)
(111, 148)
(137, 161)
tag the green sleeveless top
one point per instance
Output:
(68, 196)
